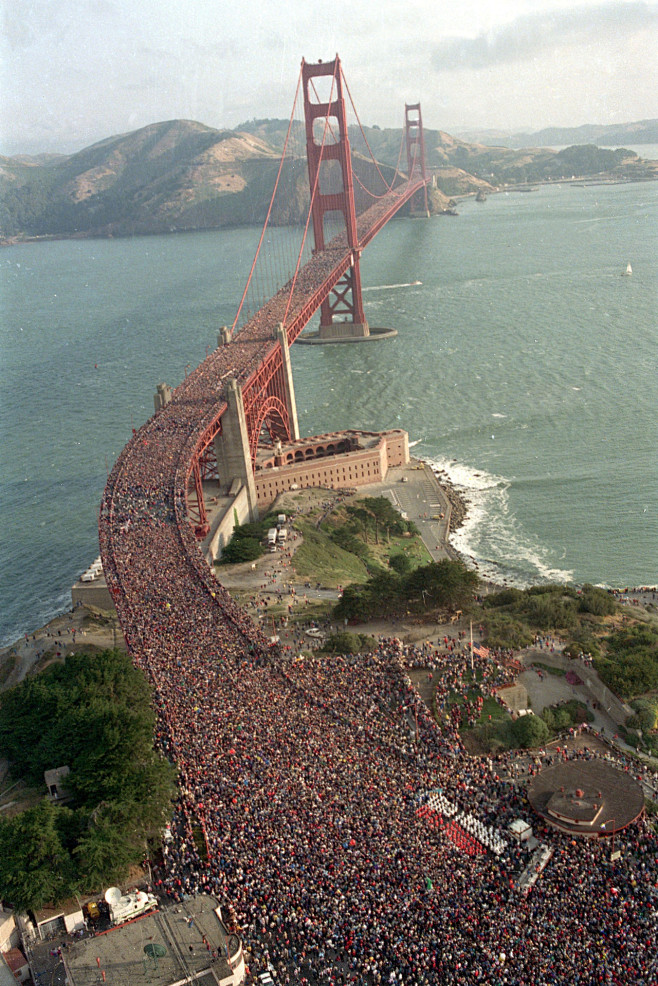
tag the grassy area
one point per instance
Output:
(412, 548)
(557, 672)
(320, 560)
(490, 706)
(317, 609)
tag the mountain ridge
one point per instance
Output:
(606, 135)
(179, 175)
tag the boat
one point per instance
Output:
(480, 197)
(628, 271)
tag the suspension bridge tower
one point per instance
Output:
(332, 191)
(342, 316)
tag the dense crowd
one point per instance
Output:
(306, 775)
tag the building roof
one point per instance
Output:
(15, 959)
(590, 797)
(7, 977)
(131, 950)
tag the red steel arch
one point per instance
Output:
(273, 414)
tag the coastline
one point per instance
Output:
(89, 630)
(92, 629)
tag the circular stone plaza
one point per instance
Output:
(586, 797)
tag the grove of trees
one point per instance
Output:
(94, 715)
(445, 583)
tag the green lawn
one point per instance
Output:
(320, 560)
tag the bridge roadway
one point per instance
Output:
(161, 586)
(175, 616)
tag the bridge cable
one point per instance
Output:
(310, 211)
(269, 211)
(389, 188)
(355, 177)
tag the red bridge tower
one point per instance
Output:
(332, 190)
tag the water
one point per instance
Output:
(525, 365)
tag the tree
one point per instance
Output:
(400, 564)
(35, 868)
(109, 846)
(530, 731)
(94, 715)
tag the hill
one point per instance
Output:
(612, 135)
(167, 177)
(182, 175)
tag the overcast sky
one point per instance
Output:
(76, 71)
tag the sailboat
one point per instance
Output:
(628, 271)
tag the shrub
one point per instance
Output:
(241, 549)
(503, 631)
(630, 665)
(529, 731)
(646, 714)
(508, 597)
(400, 564)
(345, 642)
(597, 601)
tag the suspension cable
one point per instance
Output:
(310, 211)
(389, 188)
(269, 211)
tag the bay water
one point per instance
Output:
(525, 366)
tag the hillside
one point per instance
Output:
(167, 177)
(182, 175)
(611, 135)
(462, 168)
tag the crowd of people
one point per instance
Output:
(306, 775)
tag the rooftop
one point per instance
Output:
(185, 942)
(591, 797)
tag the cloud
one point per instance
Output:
(534, 34)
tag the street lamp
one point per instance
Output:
(604, 826)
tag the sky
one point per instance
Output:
(77, 71)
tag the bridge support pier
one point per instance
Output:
(232, 446)
(291, 403)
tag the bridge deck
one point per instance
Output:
(173, 612)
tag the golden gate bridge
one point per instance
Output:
(212, 423)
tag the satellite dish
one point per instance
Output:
(155, 951)
(113, 895)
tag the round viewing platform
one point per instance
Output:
(317, 339)
(586, 797)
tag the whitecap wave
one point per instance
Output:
(391, 287)
(492, 537)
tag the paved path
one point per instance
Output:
(415, 491)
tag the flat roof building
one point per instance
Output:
(178, 944)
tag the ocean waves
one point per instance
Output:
(492, 538)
